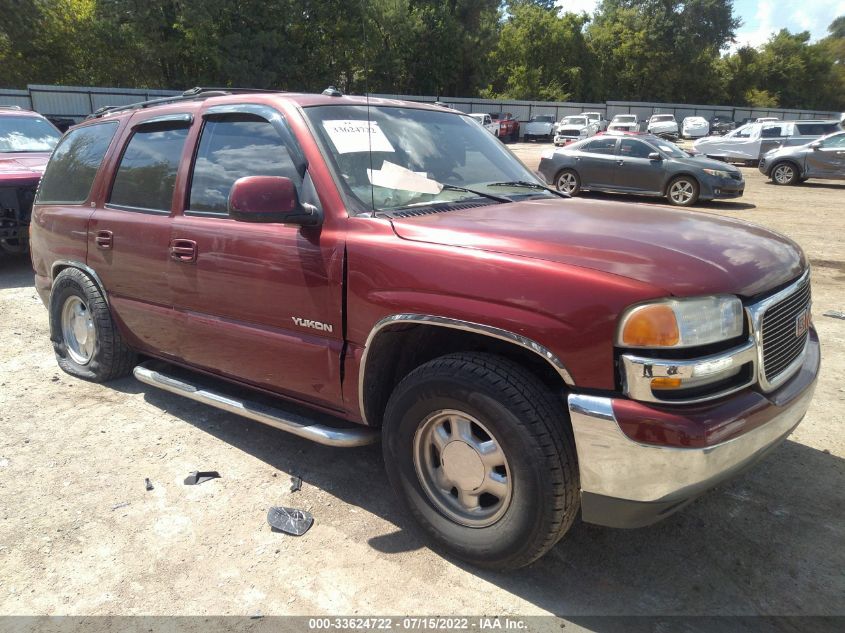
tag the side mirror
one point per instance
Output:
(654, 156)
(816, 145)
(269, 199)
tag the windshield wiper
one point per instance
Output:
(477, 193)
(529, 185)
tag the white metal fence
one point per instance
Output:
(76, 102)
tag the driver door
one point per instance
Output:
(257, 302)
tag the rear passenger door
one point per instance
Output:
(596, 162)
(257, 302)
(129, 235)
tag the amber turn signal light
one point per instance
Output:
(651, 326)
(665, 383)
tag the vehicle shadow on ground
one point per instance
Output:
(814, 184)
(772, 541)
(716, 205)
(15, 271)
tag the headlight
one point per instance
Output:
(719, 173)
(681, 322)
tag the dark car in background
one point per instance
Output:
(642, 164)
(26, 141)
(823, 158)
(720, 125)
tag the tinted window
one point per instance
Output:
(634, 149)
(773, 132)
(74, 164)
(147, 173)
(601, 146)
(816, 129)
(233, 148)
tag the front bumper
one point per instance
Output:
(631, 478)
(713, 188)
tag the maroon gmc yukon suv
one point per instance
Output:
(395, 269)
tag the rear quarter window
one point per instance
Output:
(816, 129)
(74, 164)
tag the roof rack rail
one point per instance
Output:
(188, 95)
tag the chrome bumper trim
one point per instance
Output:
(613, 465)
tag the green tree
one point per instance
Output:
(541, 55)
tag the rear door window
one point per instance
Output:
(815, 129)
(601, 146)
(74, 164)
(146, 176)
(233, 147)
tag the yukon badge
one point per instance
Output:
(316, 325)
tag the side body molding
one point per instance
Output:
(456, 324)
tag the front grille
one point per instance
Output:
(781, 346)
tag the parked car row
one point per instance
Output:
(646, 164)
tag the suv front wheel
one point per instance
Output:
(482, 455)
(85, 337)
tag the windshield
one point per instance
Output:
(388, 158)
(542, 119)
(624, 118)
(671, 149)
(27, 134)
(662, 118)
(574, 120)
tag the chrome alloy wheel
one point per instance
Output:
(462, 468)
(784, 174)
(567, 182)
(681, 191)
(78, 331)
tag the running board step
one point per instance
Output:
(156, 374)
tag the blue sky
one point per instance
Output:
(761, 18)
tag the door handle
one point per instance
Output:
(183, 250)
(104, 240)
(620, 162)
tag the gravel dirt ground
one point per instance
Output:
(79, 534)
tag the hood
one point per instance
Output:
(681, 252)
(664, 126)
(702, 162)
(23, 164)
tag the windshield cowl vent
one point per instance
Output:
(452, 206)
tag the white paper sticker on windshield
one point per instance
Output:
(393, 176)
(352, 136)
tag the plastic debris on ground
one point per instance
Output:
(290, 520)
(199, 476)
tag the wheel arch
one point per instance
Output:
(399, 343)
(673, 177)
(63, 264)
(780, 161)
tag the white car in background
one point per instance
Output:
(540, 126)
(624, 123)
(573, 128)
(748, 143)
(487, 122)
(695, 127)
(663, 125)
(600, 122)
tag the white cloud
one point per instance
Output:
(577, 6)
(770, 17)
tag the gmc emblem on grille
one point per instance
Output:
(802, 323)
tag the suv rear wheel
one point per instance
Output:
(482, 455)
(85, 338)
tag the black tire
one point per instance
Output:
(687, 191)
(110, 357)
(785, 173)
(529, 424)
(574, 180)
